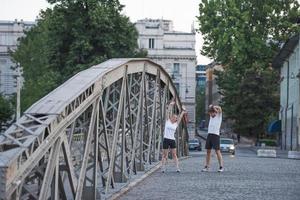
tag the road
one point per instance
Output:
(245, 177)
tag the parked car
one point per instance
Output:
(195, 144)
(227, 145)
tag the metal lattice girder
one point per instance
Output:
(92, 132)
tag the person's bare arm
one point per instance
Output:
(169, 109)
(218, 109)
(183, 112)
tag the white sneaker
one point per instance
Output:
(205, 169)
(163, 169)
(221, 169)
(178, 170)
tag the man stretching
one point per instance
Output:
(213, 137)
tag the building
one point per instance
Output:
(200, 95)
(200, 76)
(10, 31)
(175, 51)
(288, 62)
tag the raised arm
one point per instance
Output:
(218, 109)
(169, 109)
(183, 112)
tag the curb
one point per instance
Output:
(135, 182)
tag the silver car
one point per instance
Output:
(195, 144)
(227, 145)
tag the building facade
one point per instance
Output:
(200, 76)
(200, 95)
(288, 61)
(10, 31)
(175, 51)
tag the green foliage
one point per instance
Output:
(6, 112)
(70, 37)
(251, 101)
(245, 36)
(268, 142)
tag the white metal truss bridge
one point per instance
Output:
(95, 131)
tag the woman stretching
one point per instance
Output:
(171, 125)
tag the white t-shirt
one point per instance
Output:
(215, 124)
(170, 130)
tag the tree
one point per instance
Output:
(70, 37)
(6, 112)
(244, 36)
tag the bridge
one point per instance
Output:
(92, 133)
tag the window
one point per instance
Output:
(201, 68)
(224, 141)
(177, 86)
(2, 61)
(7, 39)
(151, 43)
(176, 68)
(201, 81)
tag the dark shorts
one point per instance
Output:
(212, 142)
(169, 143)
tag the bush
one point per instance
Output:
(268, 142)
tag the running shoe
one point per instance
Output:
(221, 169)
(205, 169)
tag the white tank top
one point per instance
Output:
(215, 124)
(170, 130)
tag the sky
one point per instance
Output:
(182, 12)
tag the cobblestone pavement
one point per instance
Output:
(245, 177)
